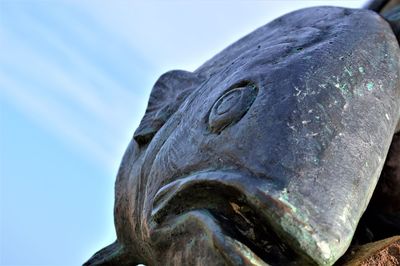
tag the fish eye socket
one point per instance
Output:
(231, 107)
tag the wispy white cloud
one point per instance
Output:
(62, 87)
(28, 65)
(52, 117)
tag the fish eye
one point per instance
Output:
(231, 106)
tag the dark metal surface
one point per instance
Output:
(268, 153)
(376, 5)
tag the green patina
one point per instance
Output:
(284, 197)
(361, 70)
(343, 81)
(349, 72)
(370, 86)
(297, 224)
(343, 88)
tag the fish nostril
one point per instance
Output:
(231, 107)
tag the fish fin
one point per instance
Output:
(113, 254)
(168, 93)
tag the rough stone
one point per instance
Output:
(381, 253)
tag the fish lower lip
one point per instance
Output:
(233, 200)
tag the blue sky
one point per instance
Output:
(74, 81)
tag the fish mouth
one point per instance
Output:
(246, 209)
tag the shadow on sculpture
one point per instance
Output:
(269, 152)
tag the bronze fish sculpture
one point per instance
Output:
(267, 154)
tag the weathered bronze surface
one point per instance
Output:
(268, 153)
